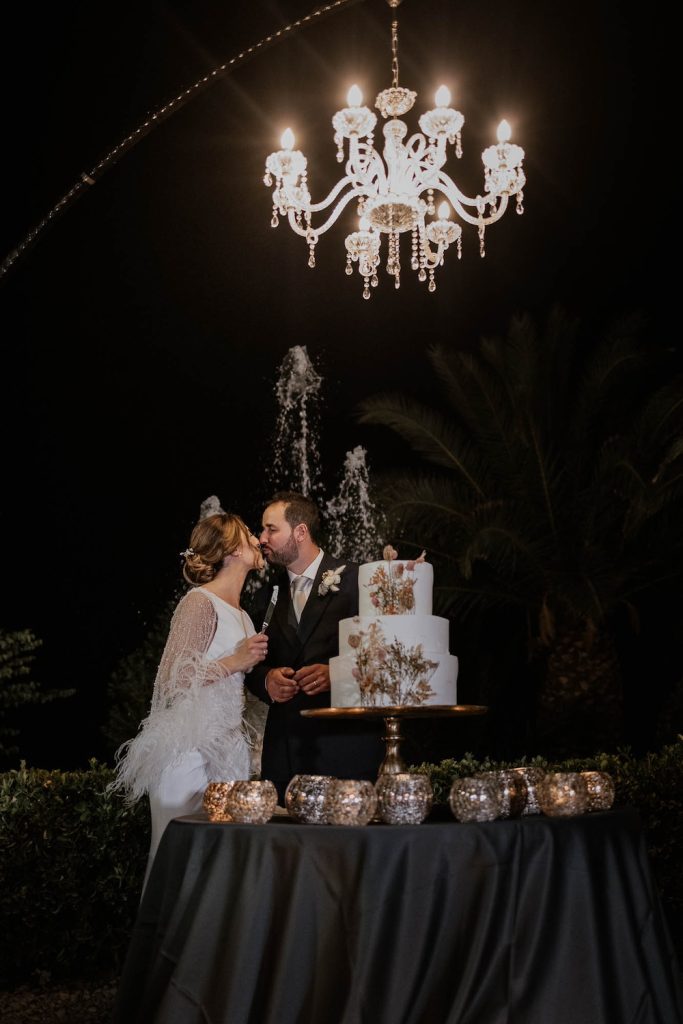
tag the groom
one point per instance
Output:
(303, 636)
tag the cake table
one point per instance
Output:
(392, 763)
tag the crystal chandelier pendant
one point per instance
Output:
(395, 190)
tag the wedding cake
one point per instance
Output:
(394, 652)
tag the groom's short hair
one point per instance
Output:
(299, 509)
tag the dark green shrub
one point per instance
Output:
(652, 784)
(17, 654)
(72, 860)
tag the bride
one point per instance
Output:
(194, 732)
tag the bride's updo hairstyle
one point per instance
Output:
(212, 540)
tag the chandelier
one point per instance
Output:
(397, 191)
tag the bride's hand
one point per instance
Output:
(248, 653)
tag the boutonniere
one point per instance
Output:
(330, 580)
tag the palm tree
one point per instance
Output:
(555, 488)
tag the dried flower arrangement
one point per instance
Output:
(391, 585)
(390, 673)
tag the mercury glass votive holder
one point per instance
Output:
(403, 798)
(475, 799)
(533, 777)
(600, 787)
(252, 803)
(513, 791)
(563, 794)
(350, 802)
(305, 798)
(214, 800)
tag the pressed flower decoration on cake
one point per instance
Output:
(391, 585)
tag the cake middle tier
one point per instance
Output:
(429, 630)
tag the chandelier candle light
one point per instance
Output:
(395, 194)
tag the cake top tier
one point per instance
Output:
(395, 587)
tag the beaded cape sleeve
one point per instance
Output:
(184, 664)
(196, 706)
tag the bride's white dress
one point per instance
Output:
(195, 731)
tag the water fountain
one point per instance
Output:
(295, 464)
(351, 515)
(353, 519)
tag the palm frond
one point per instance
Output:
(544, 468)
(618, 356)
(561, 466)
(480, 400)
(660, 420)
(428, 433)
(669, 458)
(463, 601)
(500, 546)
(443, 495)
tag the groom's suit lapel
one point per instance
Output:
(315, 605)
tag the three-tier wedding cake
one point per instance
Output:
(394, 652)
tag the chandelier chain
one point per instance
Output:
(394, 53)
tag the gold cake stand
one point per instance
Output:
(393, 763)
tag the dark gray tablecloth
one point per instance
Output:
(535, 921)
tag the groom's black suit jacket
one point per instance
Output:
(292, 744)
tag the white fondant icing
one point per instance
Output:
(428, 630)
(395, 652)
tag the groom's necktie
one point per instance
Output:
(299, 597)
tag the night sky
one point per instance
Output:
(143, 331)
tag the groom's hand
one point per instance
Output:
(280, 684)
(313, 679)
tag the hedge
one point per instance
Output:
(72, 860)
(72, 856)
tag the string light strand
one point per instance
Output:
(89, 178)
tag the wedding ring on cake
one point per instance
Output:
(252, 803)
(563, 794)
(513, 791)
(305, 798)
(403, 799)
(350, 802)
(475, 799)
(600, 788)
(214, 800)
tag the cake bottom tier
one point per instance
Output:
(390, 678)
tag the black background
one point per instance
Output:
(143, 330)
